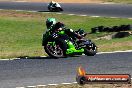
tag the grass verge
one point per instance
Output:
(91, 86)
(21, 32)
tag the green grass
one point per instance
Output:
(119, 1)
(115, 44)
(21, 32)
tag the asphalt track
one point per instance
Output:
(35, 71)
(107, 10)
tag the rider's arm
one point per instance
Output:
(71, 32)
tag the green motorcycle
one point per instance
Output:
(59, 44)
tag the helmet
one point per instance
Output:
(50, 22)
(52, 2)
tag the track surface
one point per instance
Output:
(26, 72)
(108, 10)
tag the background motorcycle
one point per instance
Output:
(54, 7)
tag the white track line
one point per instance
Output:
(115, 52)
(53, 84)
(20, 10)
(108, 3)
(31, 87)
(19, 1)
(43, 56)
(41, 86)
(32, 11)
(66, 83)
(82, 15)
(58, 13)
(95, 16)
(130, 18)
(74, 82)
(71, 14)
(114, 17)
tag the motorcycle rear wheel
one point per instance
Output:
(90, 50)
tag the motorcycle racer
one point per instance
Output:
(59, 41)
(52, 3)
(54, 26)
(54, 7)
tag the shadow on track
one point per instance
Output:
(35, 57)
(43, 11)
(40, 57)
(47, 11)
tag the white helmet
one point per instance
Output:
(53, 2)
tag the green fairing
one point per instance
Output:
(71, 48)
(61, 32)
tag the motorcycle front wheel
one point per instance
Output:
(57, 50)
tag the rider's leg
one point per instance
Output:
(70, 47)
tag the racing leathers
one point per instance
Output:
(69, 34)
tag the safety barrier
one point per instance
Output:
(111, 29)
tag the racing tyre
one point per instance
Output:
(56, 51)
(59, 9)
(90, 50)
